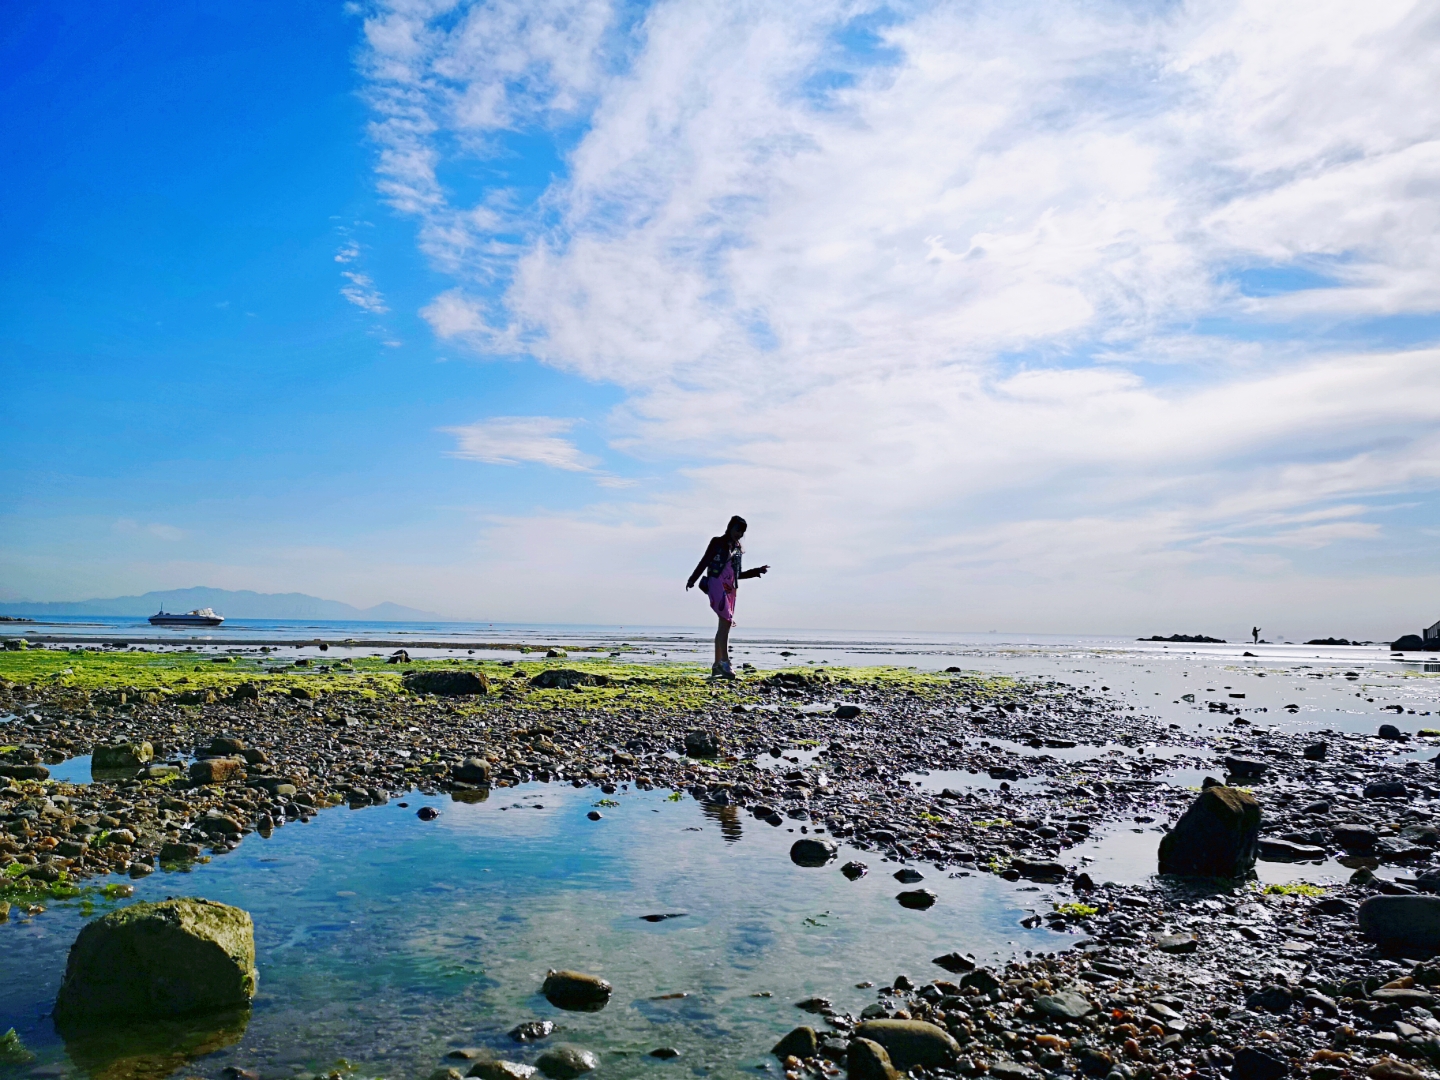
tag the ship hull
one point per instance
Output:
(184, 620)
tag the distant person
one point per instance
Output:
(721, 567)
(1255, 633)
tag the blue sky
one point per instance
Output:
(1108, 317)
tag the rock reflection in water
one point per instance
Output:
(475, 795)
(149, 1049)
(727, 817)
(112, 774)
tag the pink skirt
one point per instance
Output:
(722, 594)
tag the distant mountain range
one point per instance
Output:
(243, 604)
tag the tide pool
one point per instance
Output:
(386, 941)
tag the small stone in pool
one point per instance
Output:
(531, 1030)
(908, 876)
(502, 1070)
(666, 1052)
(917, 899)
(663, 917)
(427, 813)
(594, 815)
(576, 991)
(565, 1062)
(854, 870)
(403, 805)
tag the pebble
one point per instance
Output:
(565, 1062)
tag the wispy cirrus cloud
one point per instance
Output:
(362, 292)
(517, 440)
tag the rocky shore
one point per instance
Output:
(1167, 978)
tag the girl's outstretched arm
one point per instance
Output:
(703, 563)
(759, 571)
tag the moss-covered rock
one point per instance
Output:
(567, 679)
(181, 957)
(121, 755)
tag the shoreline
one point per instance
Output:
(287, 745)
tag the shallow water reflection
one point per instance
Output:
(388, 940)
(150, 1050)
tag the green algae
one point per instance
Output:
(12, 1050)
(86, 678)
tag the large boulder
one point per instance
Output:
(121, 755)
(447, 683)
(1406, 921)
(180, 957)
(1217, 837)
(1408, 643)
(911, 1042)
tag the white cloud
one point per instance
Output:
(452, 315)
(514, 440)
(362, 292)
(951, 319)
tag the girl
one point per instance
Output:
(721, 567)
